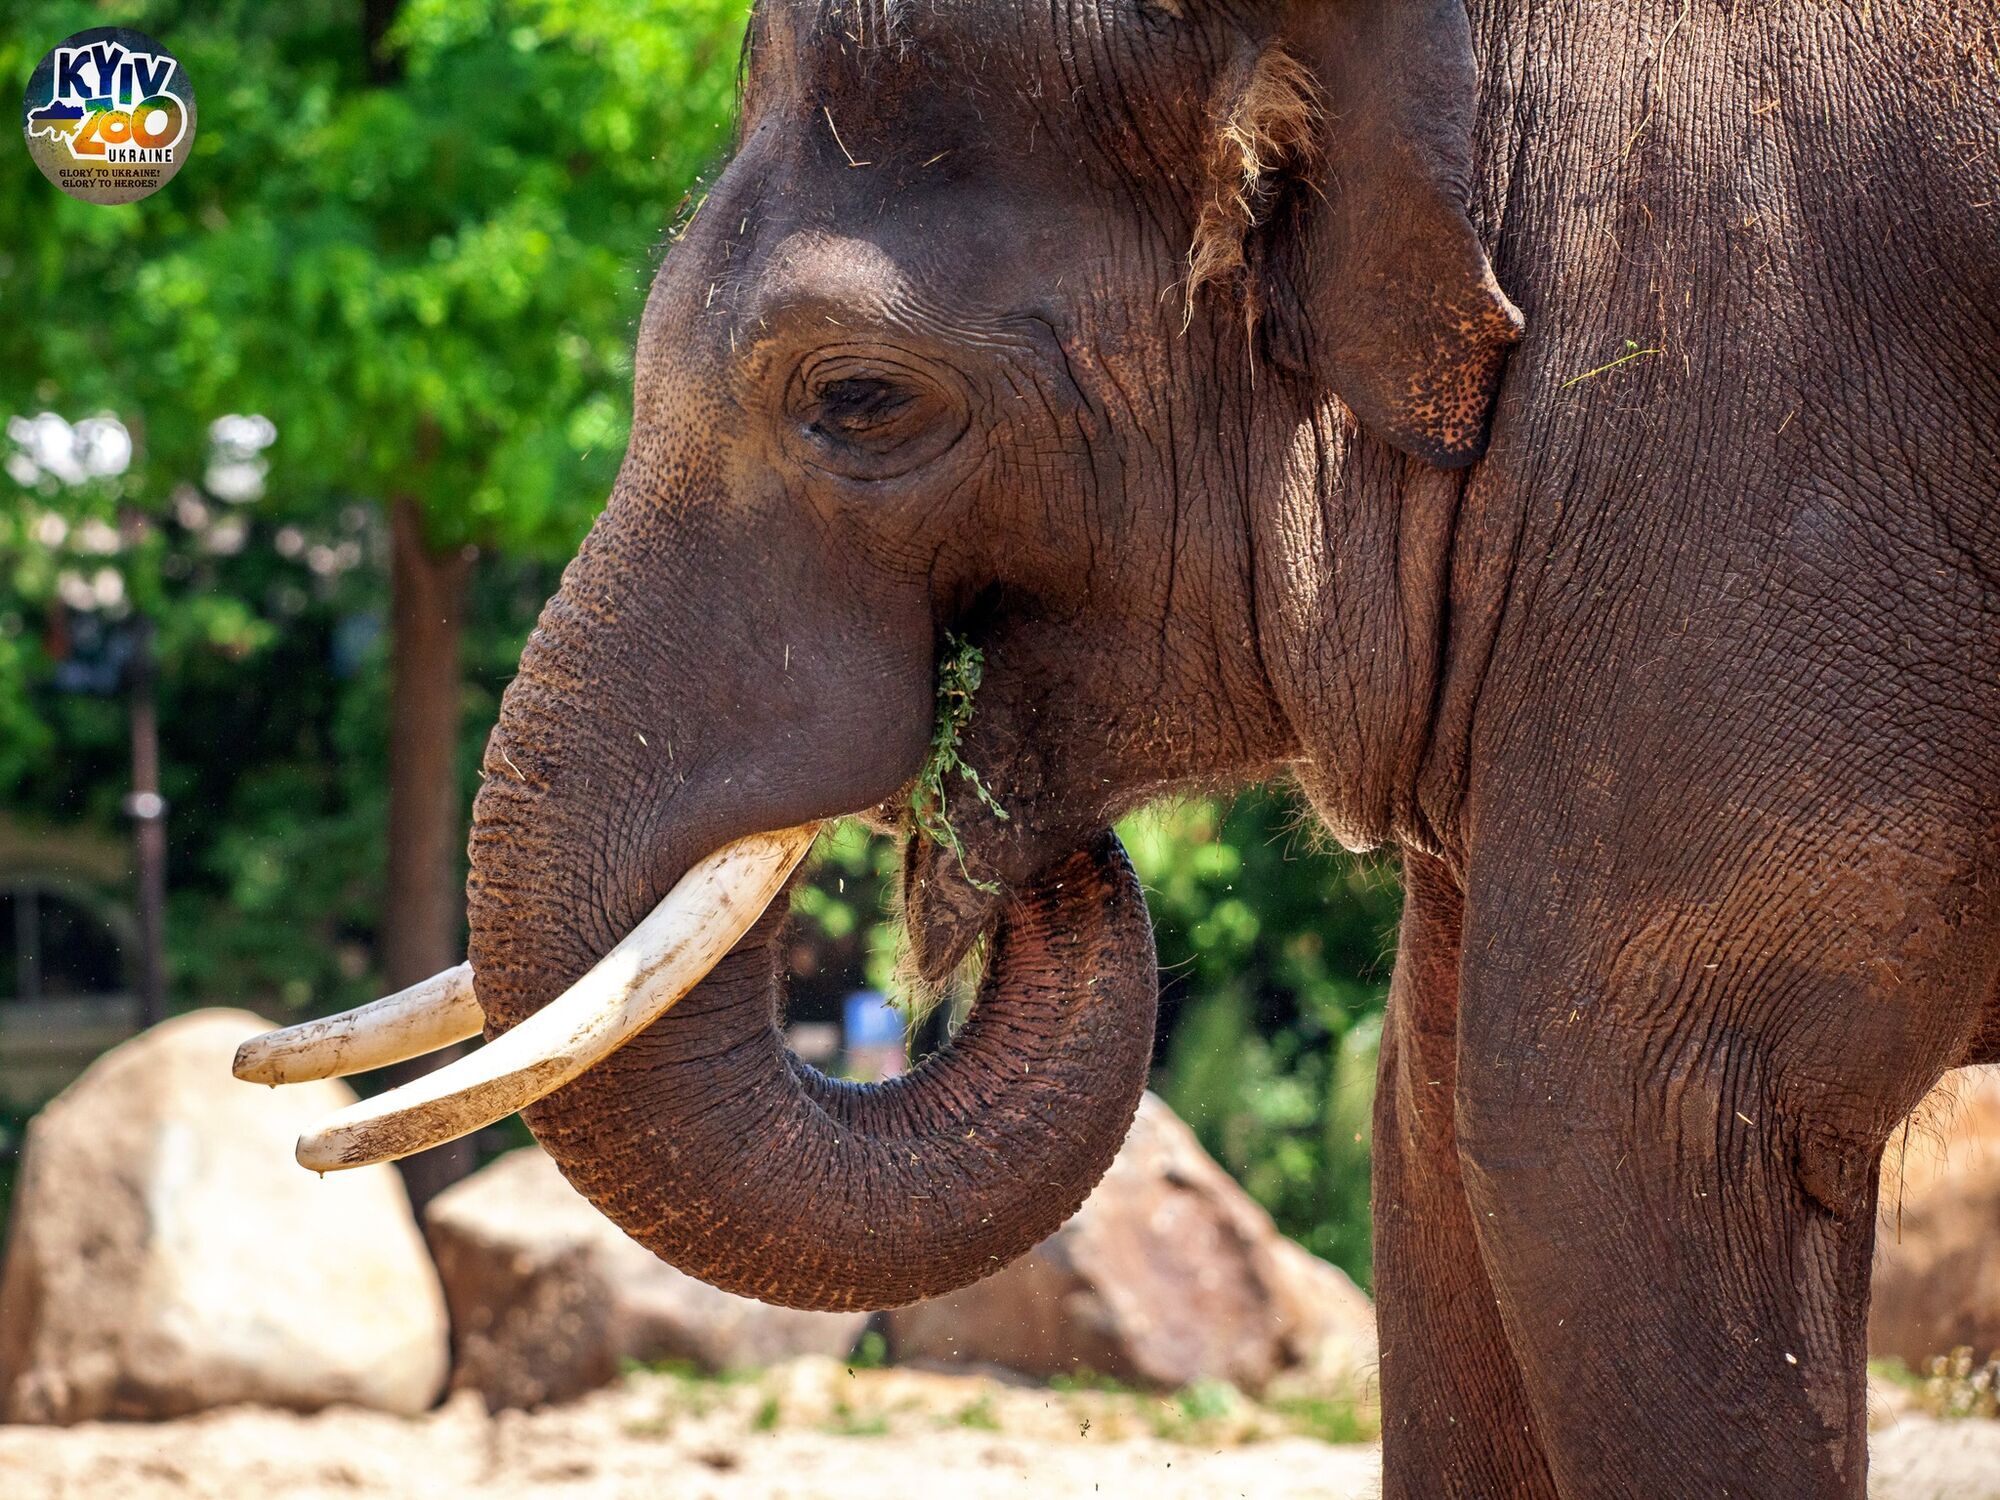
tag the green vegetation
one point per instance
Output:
(856, 1401)
(847, 1422)
(1190, 1414)
(1275, 957)
(978, 1415)
(687, 1390)
(1895, 1372)
(1330, 1419)
(846, 917)
(1089, 1380)
(1960, 1384)
(870, 1353)
(959, 675)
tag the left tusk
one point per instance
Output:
(407, 1024)
(658, 962)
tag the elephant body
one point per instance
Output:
(1160, 347)
(1713, 755)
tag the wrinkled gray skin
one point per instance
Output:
(1681, 698)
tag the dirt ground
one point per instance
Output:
(810, 1431)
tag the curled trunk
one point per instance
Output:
(706, 1140)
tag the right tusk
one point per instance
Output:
(658, 962)
(409, 1023)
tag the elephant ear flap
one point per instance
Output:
(1374, 279)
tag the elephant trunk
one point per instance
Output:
(703, 1137)
(707, 1141)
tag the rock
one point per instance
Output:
(1937, 1243)
(166, 1254)
(548, 1297)
(1169, 1273)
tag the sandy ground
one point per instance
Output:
(811, 1432)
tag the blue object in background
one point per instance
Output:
(97, 657)
(870, 1021)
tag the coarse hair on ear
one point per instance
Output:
(1266, 123)
(1336, 197)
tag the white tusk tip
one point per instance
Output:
(314, 1154)
(438, 1012)
(255, 1063)
(659, 961)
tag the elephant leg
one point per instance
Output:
(1671, 1138)
(1456, 1421)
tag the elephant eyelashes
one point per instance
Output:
(859, 410)
(866, 425)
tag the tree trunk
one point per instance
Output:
(377, 16)
(421, 924)
(148, 811)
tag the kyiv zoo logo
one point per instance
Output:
(109, 115)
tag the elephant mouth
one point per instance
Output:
(946, 909)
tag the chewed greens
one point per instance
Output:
(959, 674)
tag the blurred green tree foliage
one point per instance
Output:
(1275, 950)
(422, 259)
(439, 276)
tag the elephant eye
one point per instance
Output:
(863, 410)
(873, 414)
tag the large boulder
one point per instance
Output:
(166, 1254)
(1169, 1273)
(548, 1298)
(1937, 1246)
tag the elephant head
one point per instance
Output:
(994, 329)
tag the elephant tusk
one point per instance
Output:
(658, 962)
(409, 1023)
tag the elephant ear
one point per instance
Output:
(1363, 266)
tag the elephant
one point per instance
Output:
(1563, 440)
